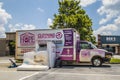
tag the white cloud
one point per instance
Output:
(4, 17)
(20, 26)
(109, 29)
(109, 2)
(49, 22)
(28, 27)
(117, 21)
(106, 29)
(40, 9)
(85, 3)
(109, 8)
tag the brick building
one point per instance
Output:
(110, 43)
(6, 48)
(3, 47)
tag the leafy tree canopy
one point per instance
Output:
(71, 15)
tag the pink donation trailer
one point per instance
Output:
(69, 48)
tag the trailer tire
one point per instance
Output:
(97, 61)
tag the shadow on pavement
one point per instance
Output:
(84, 66)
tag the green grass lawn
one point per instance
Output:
(115, 60)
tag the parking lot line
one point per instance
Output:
(73, 74)
(61, 73)
(7, 71)
(83, 74)
(29, 76)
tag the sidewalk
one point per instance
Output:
(116, 56)
(5, 63)
(6, 59)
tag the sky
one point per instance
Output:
(39, 14)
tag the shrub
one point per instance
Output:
(115, 60)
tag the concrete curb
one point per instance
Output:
(116, 56)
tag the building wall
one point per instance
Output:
(119, 50)
(10, 36)
(4, 43)
(109, 42)
(2, 46)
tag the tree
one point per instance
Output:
(71, 15)
(12, 47)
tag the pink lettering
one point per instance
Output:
(46, 35)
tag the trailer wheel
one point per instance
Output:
(96, 61)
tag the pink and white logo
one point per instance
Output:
(27, 39)
(58, 35)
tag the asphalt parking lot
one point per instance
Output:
(79, 72)
(82, 72)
